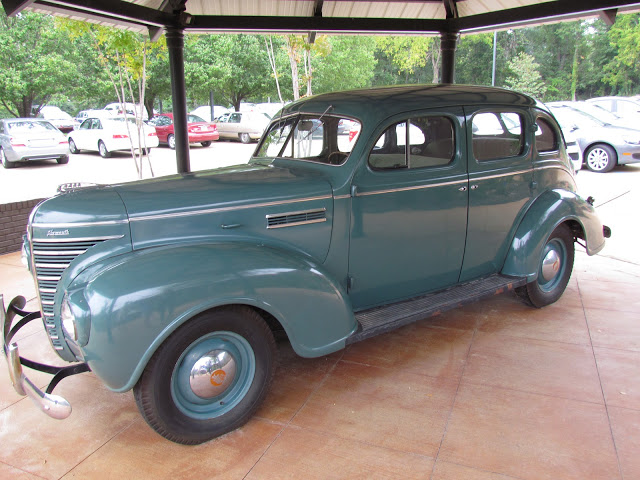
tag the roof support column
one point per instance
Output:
(448, 45)
(175, 45)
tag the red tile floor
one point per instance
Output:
(496, 390)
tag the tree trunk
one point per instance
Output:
(293, 61)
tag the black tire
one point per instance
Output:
(554, 271)
(73, 147)
(165, 393)
(206, 144)
(6, 163)
(171, 141)
(245, 138)
(102, 150)
(63, 160)
(600, 158)
(145, 151)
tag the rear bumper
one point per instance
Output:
(54, 406)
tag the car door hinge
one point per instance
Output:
(534, 185)
(354, 190)
(350, 282)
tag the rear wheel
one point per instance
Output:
(63, 160)
(245, 138)
(206, 144)
(3, 159)
(171, 140)
(601, 158)
(102, 150)
(209, 377)
(554, 270)
(73, 147)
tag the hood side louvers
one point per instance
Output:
(292, 219)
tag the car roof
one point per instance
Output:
(379, 103)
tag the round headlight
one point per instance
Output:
(68, 320)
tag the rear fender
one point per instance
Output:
(137, 302)
(548, 211)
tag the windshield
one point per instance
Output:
(568, 117)
(318, 138)
(29, 126)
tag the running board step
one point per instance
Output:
(389, 317)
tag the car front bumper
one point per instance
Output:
(54, 406)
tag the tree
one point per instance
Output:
(474, 59)
(623, 71)
(34, 63)
(234, 67)
(525, 77)
(350, 64)
(410, 54)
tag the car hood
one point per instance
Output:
(244, 202)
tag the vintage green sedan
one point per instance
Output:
(434, 196)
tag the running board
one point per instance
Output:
(383, 319)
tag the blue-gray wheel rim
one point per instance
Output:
(194, 406)
(555, 245)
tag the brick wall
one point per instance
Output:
(13, 224)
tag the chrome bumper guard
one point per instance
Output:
(53, 405)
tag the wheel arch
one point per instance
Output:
(548, 211)
(288, 291)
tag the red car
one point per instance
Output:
(199, 130)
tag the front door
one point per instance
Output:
(409, 213)
(500, 185)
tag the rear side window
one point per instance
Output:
(418, 142)
(497, 135)
(546, 137)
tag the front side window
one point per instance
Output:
(430, 139)
(497, 135)
(318, 138)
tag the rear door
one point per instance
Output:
(500, 184)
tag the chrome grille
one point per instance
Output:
(50, 259)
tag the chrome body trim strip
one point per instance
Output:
(81, 224)
(306, 222)
(227, 209)
(417, 187)
(75, 239)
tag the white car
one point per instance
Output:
(105, 134)
(115, 109)
(204, 112)
(58, 117)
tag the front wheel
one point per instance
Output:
(601, 158)
(209, 377)
(245, 138)
(206, 144)
(554, 270)
(63, 160)
(171, 141)
(73, 148)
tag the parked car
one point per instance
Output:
(605, 116)
(204, 112)
(105, 134)
(27, 139)
(199, 131)
(84, 114)
(245, 126)
(603, 145)
(114, 109)
(175, 286)
(58, 117)
(623, 107)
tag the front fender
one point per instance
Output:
(548, 211)
(138, 301)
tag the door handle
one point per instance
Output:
(474, 187)
(462, 189)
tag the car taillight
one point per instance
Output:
(152, 134)
(17, 143)
(121, 136)
(64, 142)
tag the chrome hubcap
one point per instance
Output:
(212, 374)
(550, 265)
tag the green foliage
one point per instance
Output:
(349, 64)
(234, 67)
(35, 62)
(525, 77)
(623, 70)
